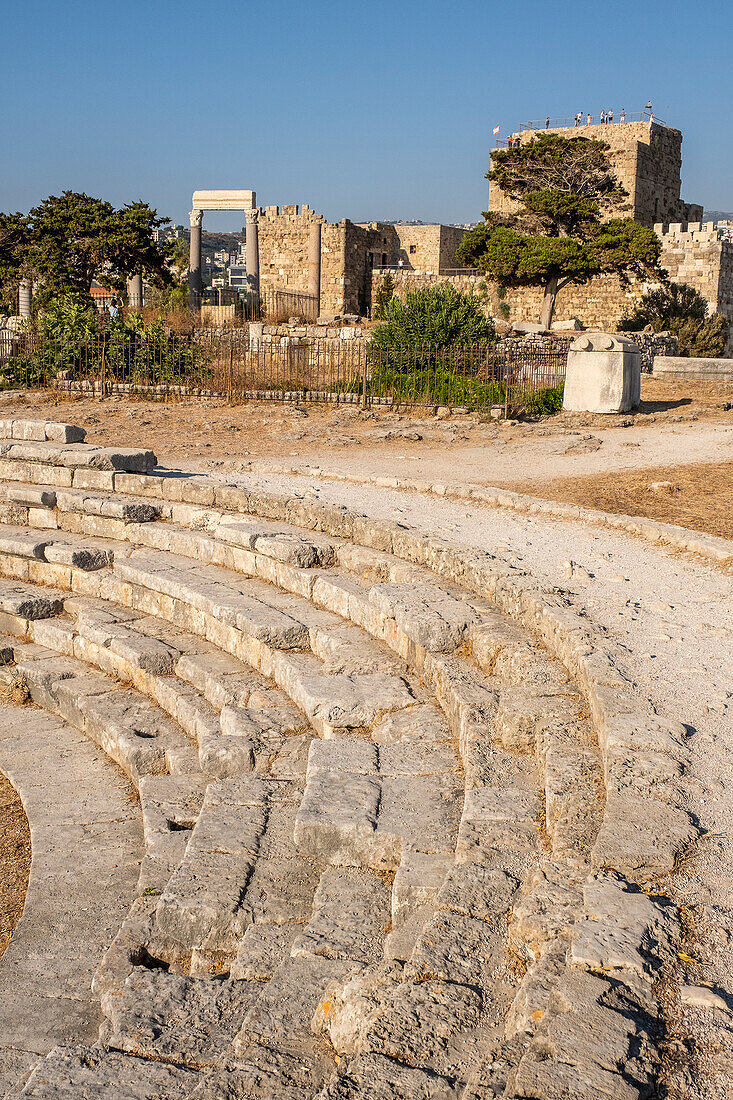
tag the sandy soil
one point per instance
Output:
(694, 426)
(682, 435)
(15, 859)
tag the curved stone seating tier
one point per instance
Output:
(397, 801)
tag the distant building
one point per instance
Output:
(237, 275)
(167, 233)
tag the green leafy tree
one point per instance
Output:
(435, 317)
(703, 339)
(72, 239)
(178, 259)
(681, 310)
(561, 187)
(13, 238)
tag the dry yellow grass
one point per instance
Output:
(700, 496)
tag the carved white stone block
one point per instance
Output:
(603, 374)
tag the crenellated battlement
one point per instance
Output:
(705, 232)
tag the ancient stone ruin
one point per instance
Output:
(322, 806)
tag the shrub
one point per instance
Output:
(681, 310)
(444, 387)
(432, 318)
(702, 339)
(545, 402)
(69, 336)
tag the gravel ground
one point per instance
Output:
(671, 622)
(341, 438)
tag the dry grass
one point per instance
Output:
(700, 495)
(15, 859)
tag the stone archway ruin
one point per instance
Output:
(222, 200)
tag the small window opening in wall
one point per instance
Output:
(413, 249)
(384, 259)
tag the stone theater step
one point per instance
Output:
(381, 782)
(41, 431)
(75, 456)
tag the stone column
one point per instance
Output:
(194, 262)
(135, 292)
(314, 264)
(252, 251)
(25, 298)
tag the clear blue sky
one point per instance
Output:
(363, 110)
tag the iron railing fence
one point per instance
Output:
(271, 305)
(583, 119)
(235, 367)
(385, 268)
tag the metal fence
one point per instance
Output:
(271, 305)
(389, 268)
(577, 121)
(236, 368)
(586, 119)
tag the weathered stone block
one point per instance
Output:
(603, 375)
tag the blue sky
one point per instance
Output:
(363, 110)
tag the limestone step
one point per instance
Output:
(170, 806)
(312, 693)
(363, 806)
(114, 506)
(458, 812)
(88, 1073)
(40, 431)
(256, 618)
(72, 456)
(351, 910)
(437, 620)
(174, 1018)
(22, 602)
(130, 729)
(202, 907)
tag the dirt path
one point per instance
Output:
(682, 435)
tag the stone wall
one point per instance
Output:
(701, 256)
(704, 370)
(286, 335)
(647, 158)
(599, 304)
(283, 241)
(349, 253)
(692, 252)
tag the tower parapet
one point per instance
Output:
(647, 158)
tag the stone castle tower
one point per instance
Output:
(647, 158)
